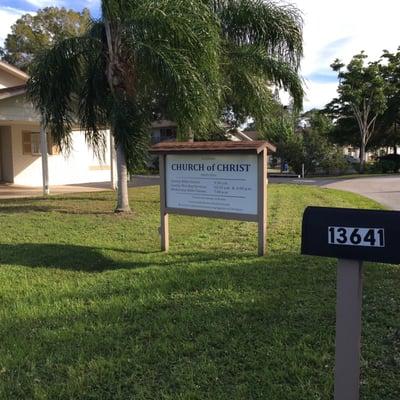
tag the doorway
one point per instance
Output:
(6, 161)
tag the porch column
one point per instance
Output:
(113, 180)
(45, 161)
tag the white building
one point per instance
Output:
(20, 143)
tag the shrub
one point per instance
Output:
(373, 168)
(390, 163)
(335, 163)
(388, 166)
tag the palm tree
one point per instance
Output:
(262, 45)
(191, 59)
(111, 76)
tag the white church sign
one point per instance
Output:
(213, 179)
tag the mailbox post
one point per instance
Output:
(352, 236)
(348, 329)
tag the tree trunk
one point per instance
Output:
(362, 156)
(123, 199)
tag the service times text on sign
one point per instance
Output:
(221, 183)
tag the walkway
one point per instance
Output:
(9, 191)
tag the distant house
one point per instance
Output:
(20, 142)
(236, 134)
(163, 130)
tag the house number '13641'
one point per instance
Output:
(345, 236)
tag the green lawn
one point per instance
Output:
(90, 309)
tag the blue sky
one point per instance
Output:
(341, 29)
(332, 29)
(33, 5)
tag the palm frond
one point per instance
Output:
(94, 93)
(175, 44)
(273, 70)
(55, 77)
(276, 27)
(187, 59)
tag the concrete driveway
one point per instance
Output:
(383, 189)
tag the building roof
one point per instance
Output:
(255, 146)
(12, 91)
(13, 71)
(253, 135)
(163, 123)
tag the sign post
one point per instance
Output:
(214, 179)
(352, 236)
(164, 227)
(262, 202)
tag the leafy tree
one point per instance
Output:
(32, 33)
(320, 152)
(345, 131)
(289, 143)
(388, 126)
(308, 146)
(361, 96)
(185, 59)
(317, 121)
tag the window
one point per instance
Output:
(155, 136)
(31, 144)
(168, 133)
(159, 135)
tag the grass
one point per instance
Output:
(90, 309)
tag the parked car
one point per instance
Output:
(351, 159)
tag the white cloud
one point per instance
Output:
(332, 29)
(8, 16)
(319, 94)
(46, 3)
(340, 29)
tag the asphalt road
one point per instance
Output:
(384, 190)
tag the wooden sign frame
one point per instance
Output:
(259, 148)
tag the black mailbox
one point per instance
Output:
(370, 235)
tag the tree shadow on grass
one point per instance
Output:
(93, 259)
(24, 208)
(201, 335)
(67, 208)
(58, 208)
(60, 256)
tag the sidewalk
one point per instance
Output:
(11, 191)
